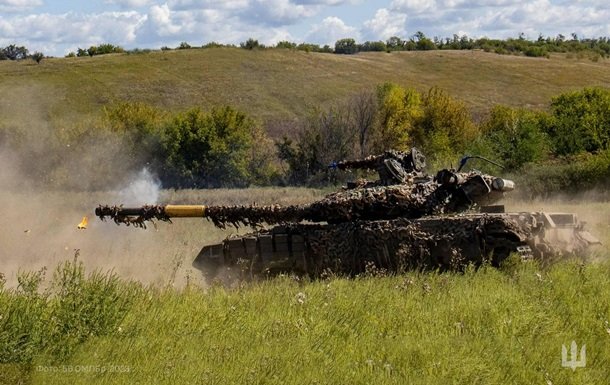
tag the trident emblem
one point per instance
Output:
(574, 362)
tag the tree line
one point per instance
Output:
(566, 146)
(573, 46)
(563, 147)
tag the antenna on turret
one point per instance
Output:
(467, 157)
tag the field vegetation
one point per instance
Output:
(64, 325)
(113, 128)
(486, 325)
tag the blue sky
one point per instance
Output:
(57, 27)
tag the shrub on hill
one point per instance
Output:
(346, 46)
(101, 49)
(206, 149)
(513, 137)
(251, 44)
(580, 121)
(13, 52)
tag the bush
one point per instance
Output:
(346, 46)
(250, 44)
(327, 136)
(566, 175)
(375, 46)
(56, 320)
(286, 45)
(445, 128)
(513, 137)
(13, 52)
(399, 109)
(207, 149)
(139, 125)
(101, 49)
(580, 121)
(37, 57)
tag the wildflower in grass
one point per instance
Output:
(301, 297)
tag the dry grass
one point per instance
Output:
(275, 84)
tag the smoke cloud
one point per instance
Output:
(143, 190)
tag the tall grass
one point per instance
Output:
(480, 326)
(51, 321)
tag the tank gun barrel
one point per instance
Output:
(171, 211)
(251, 215)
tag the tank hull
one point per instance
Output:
(435, 242)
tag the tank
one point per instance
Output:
(405, 219)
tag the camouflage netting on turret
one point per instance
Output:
(373, 203)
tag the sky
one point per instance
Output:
(56, 27)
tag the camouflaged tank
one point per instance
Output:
(404, 219)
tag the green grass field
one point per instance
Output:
(488, 326)
(279, 84)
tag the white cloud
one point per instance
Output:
(165, 26)
(181, 5)
(268, 12)
(18, 5)
(50, 33)
(129, 3)
(328, 2)
(385, 25)
(413, 6)
(503, 18)
(276, 12)
(330, 30)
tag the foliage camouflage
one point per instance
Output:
(413, 221)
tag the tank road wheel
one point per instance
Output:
(500, 247)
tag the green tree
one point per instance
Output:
(581, 121)
(376, 46)
(37, 57)
(250, 44)
(14, 52)
(207, 149)
(514, 137)
(139, 125)
(286, 44)
(445, 127)
(346, 46)
(422, 43)
(394, 43)
(398, 110)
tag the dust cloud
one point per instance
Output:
(38, 229)
(592, 208)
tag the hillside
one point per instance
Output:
(278, 84)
